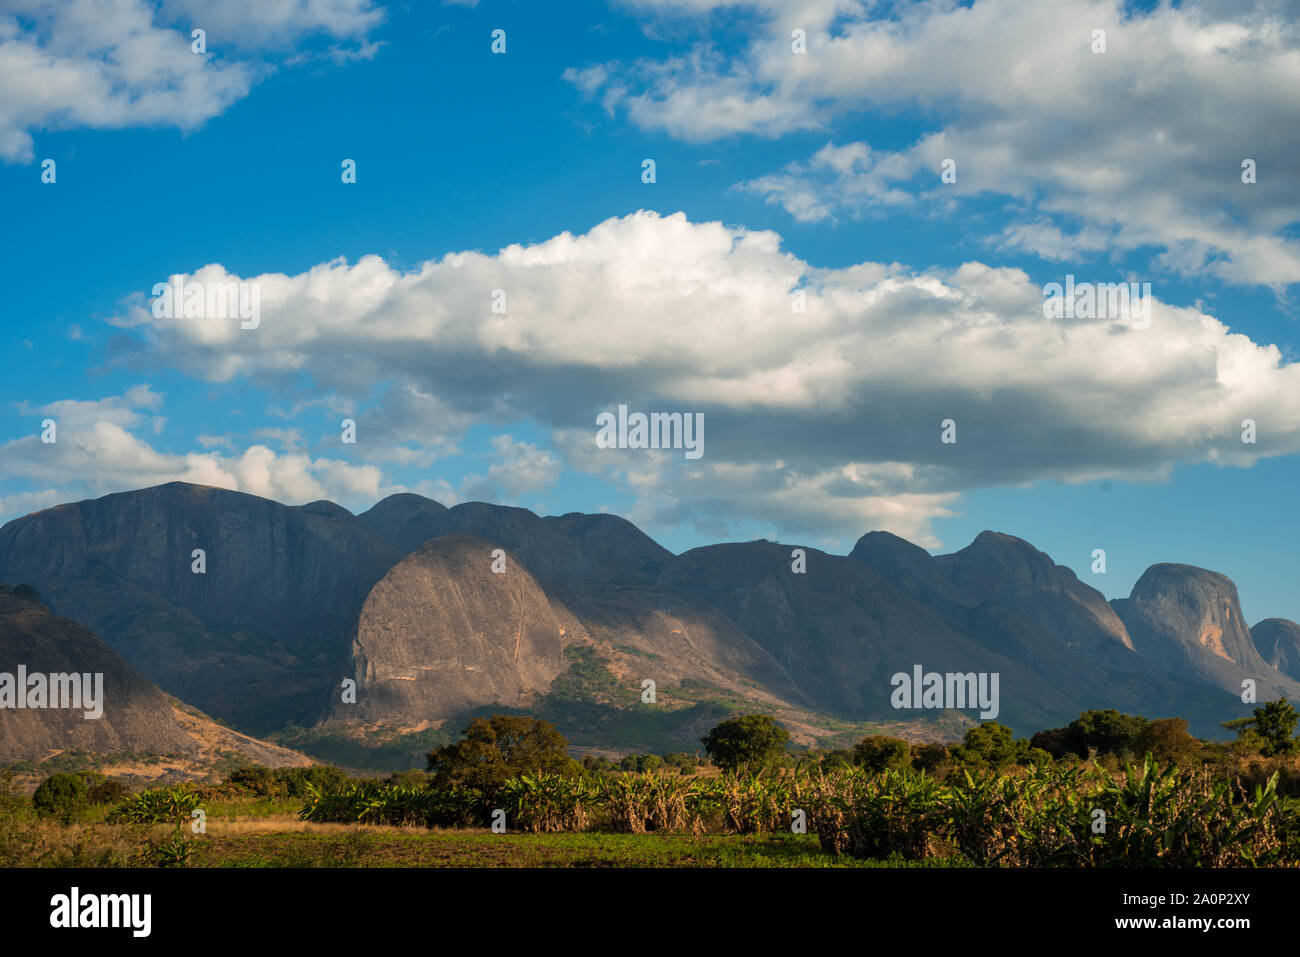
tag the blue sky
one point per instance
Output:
(775, 171)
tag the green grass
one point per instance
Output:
(393, 847)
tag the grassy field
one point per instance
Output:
(260, 834)
(277, 842)
(1042, 813)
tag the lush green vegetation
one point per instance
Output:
(1078, 796)
(745, 741)
(1043, 815)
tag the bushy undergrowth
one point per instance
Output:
(373, 802)
(167, 805)
(1141, 816)
(1044, 815)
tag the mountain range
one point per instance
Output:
(310, 624)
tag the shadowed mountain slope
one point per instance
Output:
(256, 639)
(841, 630)
(293, 600)
(136, 715)
(1017, 609)
(405, 519)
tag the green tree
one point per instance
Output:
(930, 757)
(989, 745)
(1275, 723)
(61, 795)
(1055, 741)
(876, 752)
(750, 740)
(498, 748)
(27, 593)
(1168, 740)
(262, 781)
(838, 758)
(1270, 730)
(1107, 732)
(412, 778)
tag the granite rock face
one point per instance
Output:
(1278, 642)
(406, 520)
(1014, 600)
(1010, 572)
(256, 639)
(442, 634)
(842, 630)
(1188, 621)
(403, 599)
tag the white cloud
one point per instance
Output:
(849, 178)
(109, 64)
(97, 452)
(1144, 143)
(259, 23)
(521, 468)
(813, 419)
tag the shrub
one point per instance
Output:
(168, 805)
(1167, 739)
(756, 803)
(261, 781)
(27, 593)
(61, 795)
(319, 776)
(931, 757)
(1043, 816)
(372, 802)
(107, 791)
(410, 779)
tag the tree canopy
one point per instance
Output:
(1270, 730)
(498, 748)
(750, 740)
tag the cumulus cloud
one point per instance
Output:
(851, 178)
(97, 450)
(1144, 142)
(521, 468)
(109, 64)
(815, 419)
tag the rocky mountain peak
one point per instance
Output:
(1278, 642)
